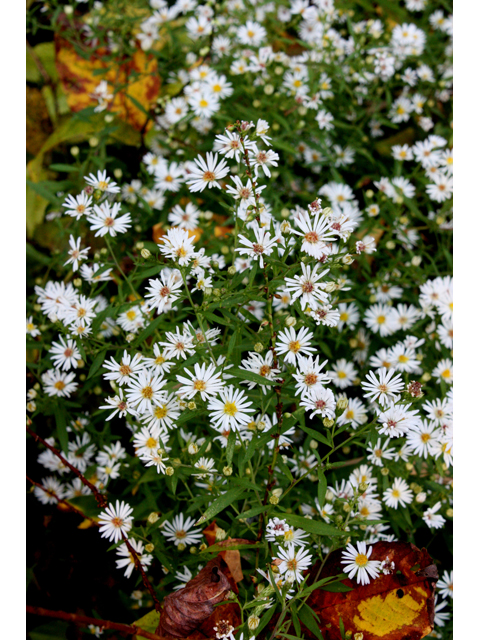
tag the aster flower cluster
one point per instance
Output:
(253, 329)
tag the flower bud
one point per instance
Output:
(192, 405)
(192, 448)
(421, 497)
(449, 513)
(227, 471)
(329, 287)
(290, 321)
(77, 282)
(416, 260)
(274, 499)
(130, 337)
(153, 517)
(220, 534)
(181, 546)
(193, 550)
(203, 546)
(169, 471)
(384, 471)
(145, 253)
(328, 422)
(313, 444)
(362, 487)
(390, 245)
(253, 622)
(258, 347)
(149, 547)
(232, 270)
(74, 151)
(269, 89)
(342, 404)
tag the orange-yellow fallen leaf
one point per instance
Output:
(398, 606)
(133, 81)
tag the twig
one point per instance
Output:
(85, 620)
(67, 505)
(99, 497)
(138, 565)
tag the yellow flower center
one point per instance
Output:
(147, 392)
(199, 385)
(361, 560)
(161, 412)
(295, 346)
(230, 408)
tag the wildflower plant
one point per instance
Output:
(253, 323)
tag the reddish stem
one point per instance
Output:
(85, 620)
(99, 497)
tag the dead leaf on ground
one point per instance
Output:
(191, 608)
(398, 606)
(134, 81)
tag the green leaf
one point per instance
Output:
(149, 330)
(97, 363)
(213, 318)
(65, 168)
(149, 622)
(311, 526)
(232, 438)
(255, 511)
(336, 587)
(248, 375)
(33, 254)
(322, 487)
(316, 436)
(44, 192)
(222, 503)
(295, 620)
(307, 616)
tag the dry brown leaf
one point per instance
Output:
(186, 610)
